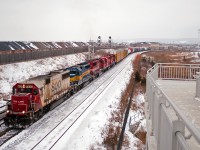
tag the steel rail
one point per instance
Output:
(8, 135)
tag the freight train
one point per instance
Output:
(33, 98)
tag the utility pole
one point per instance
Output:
(90, 52)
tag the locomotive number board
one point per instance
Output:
(25, 86)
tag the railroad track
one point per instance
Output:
(68, 119)
(5, 132)
(8, 134)
(1, 122)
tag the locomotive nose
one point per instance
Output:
(20, 103)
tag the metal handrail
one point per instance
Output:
(181, 140)
(194, 131)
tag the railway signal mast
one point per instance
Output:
(90, 52)
(99, 40)
(110, 41)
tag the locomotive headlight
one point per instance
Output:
(23, 112)
(7, 111)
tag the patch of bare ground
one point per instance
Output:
(172, 56)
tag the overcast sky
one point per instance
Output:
(80, 20)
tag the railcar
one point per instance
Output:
(32, 98)
(130, 50)
(120, 54)
(103, 63)
(94, 67)
(79, 74)
(111, 58)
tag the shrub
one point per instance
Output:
(143, 81)
(137, 76)
(152, 63)
(144, 59)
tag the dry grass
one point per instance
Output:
(170, 56)
(183, 57)
(142, 136)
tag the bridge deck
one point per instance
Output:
(182, 93)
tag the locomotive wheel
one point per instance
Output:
(41, 113)
(81, 86)
(74, 90)
(68, 94)
(36, 116)
(46, 109)
(71, 92)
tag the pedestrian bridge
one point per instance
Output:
(173, 107)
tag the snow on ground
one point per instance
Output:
(11, 47)
(137, 116)
(33, 46)
(20, 45)
(74, 44)
(196, 57)
(56, 45)
(12, 73)
(136, 122)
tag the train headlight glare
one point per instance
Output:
(23, 112)
(7, 111)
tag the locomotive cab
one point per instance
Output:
(94, 67)
(112, 59)
(24, 98)
(24, 102)
(103, 63)
(79, 74)
(74, 72)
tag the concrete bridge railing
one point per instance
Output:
(171, 133)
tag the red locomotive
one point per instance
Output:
(94, 67)
(111, 58)
(32, 98)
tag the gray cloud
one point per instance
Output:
(84, 19)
